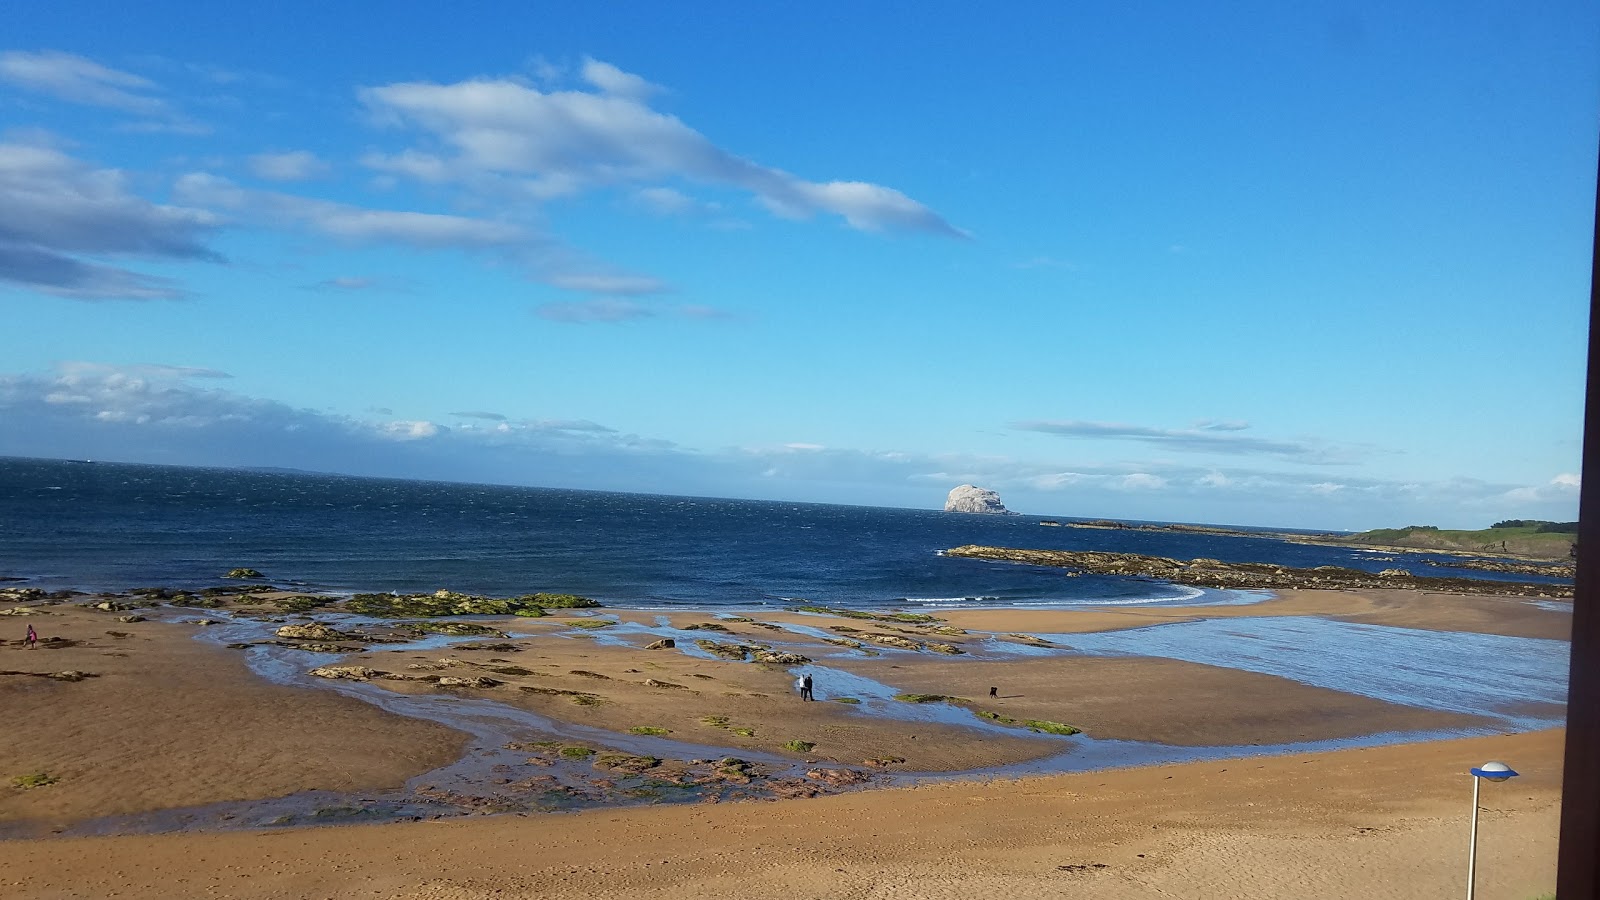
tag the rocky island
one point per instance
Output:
(968, 498)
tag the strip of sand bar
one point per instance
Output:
(1486, 614)
(160, 720)
(1378, 823)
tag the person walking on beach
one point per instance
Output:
(32, 639)
(805, 687)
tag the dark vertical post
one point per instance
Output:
(1578, 874)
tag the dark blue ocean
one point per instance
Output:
(100, 526)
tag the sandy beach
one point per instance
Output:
(1376, 823)
(140, 716)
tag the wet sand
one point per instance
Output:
(1485, 614)
(169, 721)
(619, 688)
(1380, 823)
(1164, 700)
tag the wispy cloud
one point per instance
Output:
(503, 135)
(345, 283)
(61, 219)
(473, 414)
(295, 165)
(77, 79)
(1208, 437)
(604, 309)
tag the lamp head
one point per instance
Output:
(1494, 771)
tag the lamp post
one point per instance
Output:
(1492, 771)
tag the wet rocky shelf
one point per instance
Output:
(1213, 573)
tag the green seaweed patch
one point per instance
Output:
(650, 730)
(737, 619)
(509, 670)
(850, 700)
(799, 746)
(715, 721)
(589, 623)
(929, 698)
(1039, 726)
(577, 752)
(37, 779)
(743, 731)
(243, 573)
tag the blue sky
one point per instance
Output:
(1309, 265)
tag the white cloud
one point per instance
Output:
(409, 430)
(666, 201)
(1143, 481)
(60, 220)
(67, 76)
(297, 165)
(504, 135)
(1215, 479)
(1567, 479)
(612, 80)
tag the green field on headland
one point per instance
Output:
(1524, 537)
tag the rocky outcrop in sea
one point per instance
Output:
(968, 498)
(1215, 573)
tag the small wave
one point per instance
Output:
(945, 601)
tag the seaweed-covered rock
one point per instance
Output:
(132, 618)
(467, 629)
(451, 603)
(894, 640)
(780, 658)
(623, 762)
(468, 681)
(838, 777)
(736, 652)
(243, 573)
(352, 673)
(314, 631)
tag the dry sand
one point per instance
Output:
(172, 722)
(1374, 824)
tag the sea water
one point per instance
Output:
(115, 526)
